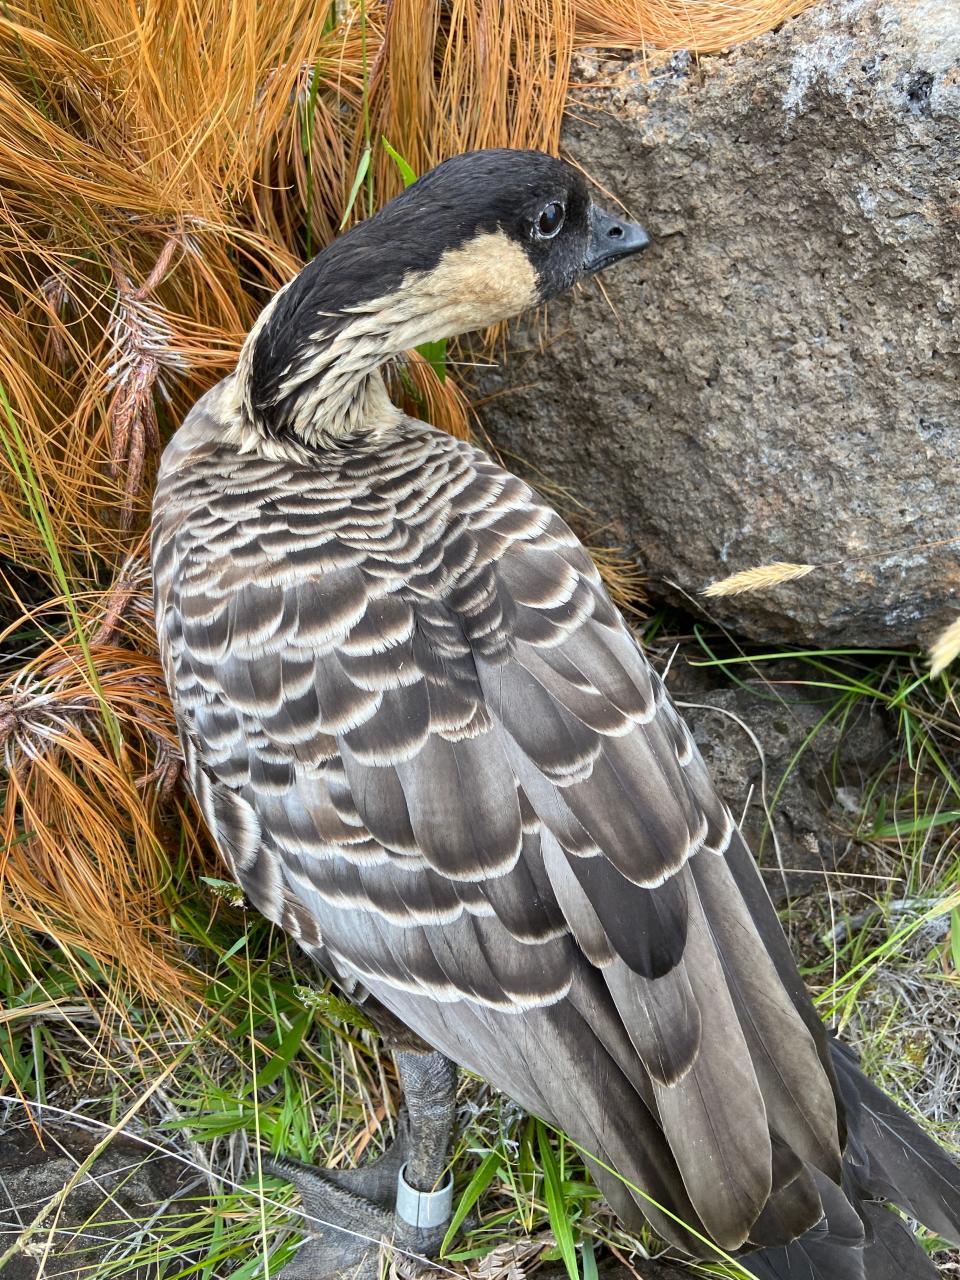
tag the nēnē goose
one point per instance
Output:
(429, 748)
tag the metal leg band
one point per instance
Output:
(424, 1208)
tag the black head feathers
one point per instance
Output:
(480, 238)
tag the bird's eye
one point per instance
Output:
(550, 220)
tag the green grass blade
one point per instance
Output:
(287, 1051)
(240, 943)
(404, 168)
(435, 354)
(556, 1208)
(911, 826)
(783, 654)
(590, 1271)
(365, 67)
(361, 173)
(306, 145)
(474, 1189)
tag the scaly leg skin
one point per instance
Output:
(353, 1213)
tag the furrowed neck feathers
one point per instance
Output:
(308, 372)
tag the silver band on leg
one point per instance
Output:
(424, 1208)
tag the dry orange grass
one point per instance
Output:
(163, 167)
(702, 26)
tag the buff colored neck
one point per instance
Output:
(333, 389)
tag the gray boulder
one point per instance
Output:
(783, 380)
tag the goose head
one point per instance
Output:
(479, 239)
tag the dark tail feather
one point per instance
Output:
(894, 1250)
(889, 1157)
(872, 1244)
(832, 1250)
(891, 1253)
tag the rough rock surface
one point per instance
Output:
(783, 383)
(111, 1206)
(796, 780)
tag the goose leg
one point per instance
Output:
(402, 1198)
(424, 1186)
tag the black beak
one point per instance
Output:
(611, 239)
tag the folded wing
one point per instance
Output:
(430, 748)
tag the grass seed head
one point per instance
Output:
(759, 578)
(945, 648)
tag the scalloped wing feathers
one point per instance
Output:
(429, 747)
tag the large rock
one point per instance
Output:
(783, 382)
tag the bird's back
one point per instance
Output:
(429, 747)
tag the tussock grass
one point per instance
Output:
(662, 24)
